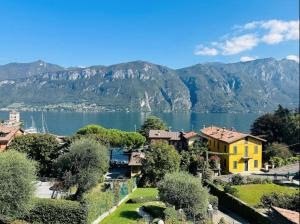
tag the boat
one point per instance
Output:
(32, 129)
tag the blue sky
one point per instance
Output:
(168, 32)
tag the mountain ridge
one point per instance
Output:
(252, 86)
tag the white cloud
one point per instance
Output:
(202, 50)
(247, 58)
(252, 34)
(239, 44)
(293, 58)
(273, 38)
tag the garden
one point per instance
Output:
(127, 212)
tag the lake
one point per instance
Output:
(67, 123)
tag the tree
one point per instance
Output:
(160, 159)
(186, 192)
(282, 126)
(83, 165)
(152, 123)
(112, 137)
(17, 176)
(43, 148)
(278, 150)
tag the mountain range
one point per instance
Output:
(253, 86)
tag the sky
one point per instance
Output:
(175, 33)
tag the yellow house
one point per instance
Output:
(239, 152)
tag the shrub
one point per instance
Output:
(214, 201)
(277, 161)
(237, 179)
(171, 215)
(142, 199)
(222, 221)
(230, 190)
(97, 203)
(207, 175)
(17, 176)
(282, 200)
(53, 211)
(291, 160)
(258, 180)
(155, 211)
(219, 182)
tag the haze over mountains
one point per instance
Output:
(253, 86)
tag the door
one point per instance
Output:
(246, 165)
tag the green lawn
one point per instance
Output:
(127, 212)
(251, 193)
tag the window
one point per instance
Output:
(235, 164)
(255, 163)
(214, 143)
(235, 150)
(246, 151)
(255, 149)
(225, 148)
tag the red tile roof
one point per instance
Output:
(190, 134)
(162, 134)
(8, 132)
(226, 135)
(136, 158)
(288, 214)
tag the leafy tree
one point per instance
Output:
(278, 150)
(43, 148)
(112, 137)
(152, 123)
(83, 165)
(282, 126)
(160, 159)
(17, 176)
(184, 191)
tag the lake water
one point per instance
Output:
(67, 123)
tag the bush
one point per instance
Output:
(97, 203)
(53, 211)
(237, 179)
(230, 190)
(207, 175)
(142, 199)
(171, 215)
(277, 161)
(214, 201)
(155, 211)
(291, 160)
(258, 180)
(222, 221)
(282, 200)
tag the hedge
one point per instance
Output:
(53, 211)
(97, 203)
(93, 204)
(237, 206)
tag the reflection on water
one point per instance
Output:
(66, 123)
